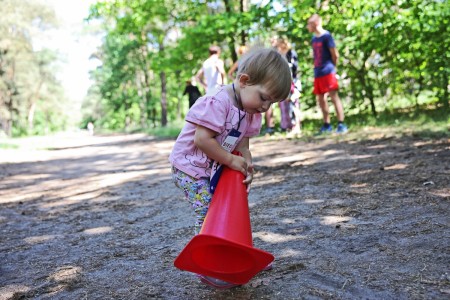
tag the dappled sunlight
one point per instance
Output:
(285, 253)
(66, 274)
(423, 143)
(10, 291)
(362, 172)
(396, 167)
(288, 221)
(291, 158)
(382, 146)
(164, 147)
(273, 238)
(358, 185)
(71, 200)
(98, 230)
(78, 190)
(267, 180)
(314, 157)
(39, 239)
(333, 220)
(28, 176)
(313, 201)
(123, 177)
(444, 193)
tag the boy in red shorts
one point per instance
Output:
(325, 82)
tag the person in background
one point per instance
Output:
(325, 60)
(289, 109)
(222, 122)
(268, 116)
(241, 51)
(90, 127)
(192, 91)
(212, 74)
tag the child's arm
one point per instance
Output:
(244, 148)
(232, 69)
(334, 55)
(205, 141)
(200, 77)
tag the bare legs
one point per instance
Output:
(323, 104)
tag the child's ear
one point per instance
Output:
(243, 78)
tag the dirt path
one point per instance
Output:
(99, 218)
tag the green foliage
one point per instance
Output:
(393, 55)
(28, 86)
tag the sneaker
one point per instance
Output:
(269, 131)
(217, 283)
(326, 129)
(341, 128)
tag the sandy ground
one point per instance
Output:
(345, 217)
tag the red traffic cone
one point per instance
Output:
(224, 249)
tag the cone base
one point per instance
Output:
(222, 259)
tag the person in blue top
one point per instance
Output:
(325, 82)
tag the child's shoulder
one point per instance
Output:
(219, 96)
(217, 100)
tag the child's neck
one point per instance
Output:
(319, 31)
(234, 95)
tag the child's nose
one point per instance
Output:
(266, 106)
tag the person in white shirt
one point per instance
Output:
(212, 73)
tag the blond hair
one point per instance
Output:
(283, 40)
(242, 50)
(269, 68)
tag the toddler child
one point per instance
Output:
(222, 122)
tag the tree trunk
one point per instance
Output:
(367, 88)
(243, 9)
(444, 94)
(179, 96)
(371, 99)
(32, 106)
(162, 76)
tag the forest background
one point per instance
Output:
(394, 65)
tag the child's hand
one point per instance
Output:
(248, 180)
(238, 163)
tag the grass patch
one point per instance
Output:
(425, 123)
(8, 146)
(169, 131)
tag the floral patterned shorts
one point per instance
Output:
(196, 192)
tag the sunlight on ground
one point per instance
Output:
(10, 291)
(71, 200)
(98, 230)
(66, 273)
(444, 193)
(288, 221)
(358, 185)
(273, 238)
(333, 220)
(377, 147)
(267, 180)
(396, 167)
(39, 239)
(313, 201)
(289, 253)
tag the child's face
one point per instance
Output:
(255, 99)
(311, 25)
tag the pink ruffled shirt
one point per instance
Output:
(215, 112)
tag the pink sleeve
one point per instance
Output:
(208, 112)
